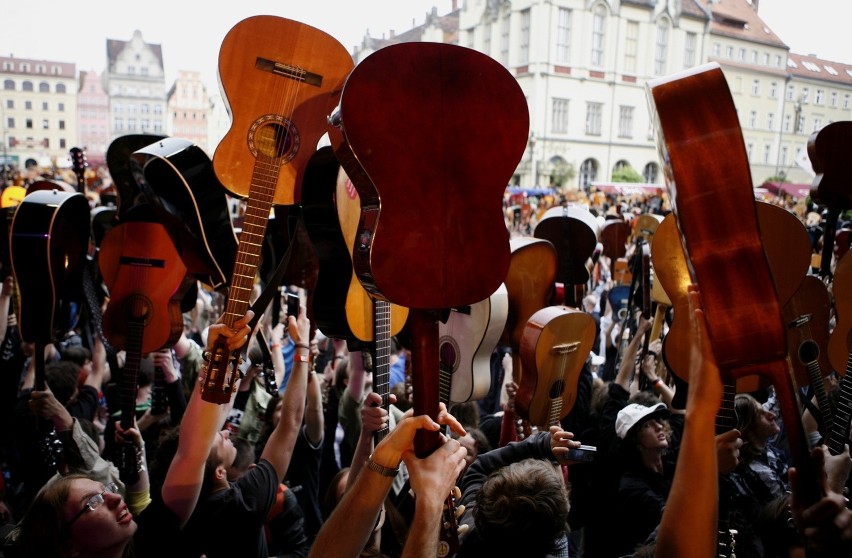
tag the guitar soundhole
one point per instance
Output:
(274, 137)
(449, 354)
(556, 389)
(808, 351)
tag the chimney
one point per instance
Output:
(455, 5)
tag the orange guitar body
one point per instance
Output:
(555, 345)
(840, 339)
(699, 137)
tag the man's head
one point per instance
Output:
(525, 498)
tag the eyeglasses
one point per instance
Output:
(94, 502)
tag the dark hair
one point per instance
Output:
(61, 376)
(78, 354)
(41, 530)
(524, 497)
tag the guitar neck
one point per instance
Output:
(381, 363)
(130, 372)
(425, 364)
(838, 435)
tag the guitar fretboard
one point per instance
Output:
(381, 366)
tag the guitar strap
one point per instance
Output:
(271, 287)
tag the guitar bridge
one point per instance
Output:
(288, 71)
(565, 348)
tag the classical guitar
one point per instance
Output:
(557, 342)
(48, 245)
(807, 315)
(431, 127)
(840, 355)
(466, 341)
(280, 79)
(147, 280)
(178, 181)
(700, 139)
(78, 165)
(828, 150)
(574, 233)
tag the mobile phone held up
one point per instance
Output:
(293, 303)
(583, 454)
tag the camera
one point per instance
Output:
(583, 453)
(293, 302)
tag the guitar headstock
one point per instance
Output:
(222, 374)
(79, 164)
(448, 541)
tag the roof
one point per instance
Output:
(811, 67)
(739, 19)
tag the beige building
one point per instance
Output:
(135, 82)
(38, 105)
(189, 109)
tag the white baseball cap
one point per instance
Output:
(633, 414)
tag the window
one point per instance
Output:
(791, 92)
(800, 123)
(158, 109)
(631, 47)
(8, 85)
(504, 40)
(650, 173)
(29, 123)
(60, 107)
(784, 156)
(524, 52)
(819, 97)
(777, 60)
(27, 86)
(689, 49)
(28, 105)
(118, 124)
(46, 142)
(729, 51)
(117, 108)
(560, 116)
(773, 90)
(717, 49)
(833, 98)
(486, 42)
(563, 36)
(44, 105)
(10, 103)
(44, 87)
(143, 70)
(817, 124)
(45, 124)
(144, 124)
(770, 120)
(742, 55)
(144, 108)
(598, 36)
(846, 100)
(755, 87)
(12, 141)
(749, 150)
(131, 124)
(588, 173)
(661, 47)
(594, 112)
(61, 124)
(10, 122)
(752, 119)
(754, 57)
(805, 95)
(625, 122)
(60, 88)
(767, 149)
(766, 59)
(131, 70)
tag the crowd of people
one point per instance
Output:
(292, 465)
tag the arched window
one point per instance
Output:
(588, 173)
(44, 87)
(651, 172)
(60, 88)
(27, 86)
(9, 85)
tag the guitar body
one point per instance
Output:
(701, 141)
(359, 305)
(280, 80)
(645, 226)
(415, 152)
(529, 283)
(466, 342)
(49, 242)
(125, 177)
(556, 343)
(840, 339)
(419, 189)
(146, 279)
(573, 231)
(807, 314)
(614, 235)
(190, 201)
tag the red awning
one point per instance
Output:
(799, 191)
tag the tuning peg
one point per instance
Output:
(463, 529)
(459, 511)
(457, 492)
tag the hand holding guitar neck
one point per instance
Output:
(223, 344)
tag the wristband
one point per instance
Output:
(302, 346)
(301, 358)
(380, 469)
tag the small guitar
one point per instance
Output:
(700, 139)
(147, 280)
(557, 342)
(280, 79)
(466, 341)
(179, 183)
(840, 355)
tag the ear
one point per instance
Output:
(220, 473)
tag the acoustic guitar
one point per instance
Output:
(178, 182)
(840, 355)
(411, 157)
(700, 139)
(48, 245)
(280, 79)
(557, 342)
(466, 341)
(574, 233)
(125, 177)
(147, 280)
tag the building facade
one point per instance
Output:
(189, 109)
(93, 118)
(38, 104)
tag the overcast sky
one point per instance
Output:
(192, 32)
